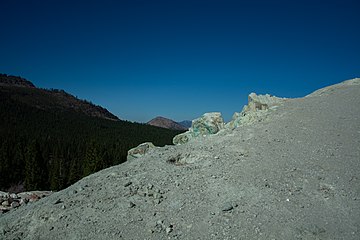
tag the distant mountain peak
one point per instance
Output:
(186, 123)
(166, 123)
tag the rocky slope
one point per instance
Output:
(293, 175)
(166, 123)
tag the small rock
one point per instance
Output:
(15, 204)
(33, 198)
(58, 201)
(5, 203)
(4, 194)
(14, 196)
(168, 229)
(4, 209)
(24, 201)
(131, 205)
(227, 207)
(127, 184)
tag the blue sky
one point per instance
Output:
(180, 58)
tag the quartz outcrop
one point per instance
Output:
(257, 110)
(209, 123)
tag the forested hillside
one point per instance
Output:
(53, 147)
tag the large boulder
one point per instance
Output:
(209, 123)
(261, 102)
(255, 111)
(182, 138)
(140, 150)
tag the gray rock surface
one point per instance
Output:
(11, 201)
(140, 150)
(257, 110)
(294, 175)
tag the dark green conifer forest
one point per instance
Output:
(51, 148)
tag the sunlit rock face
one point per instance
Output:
(140, 150)
(256, 111)
(261, 102)
(209, 123)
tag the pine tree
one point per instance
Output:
(92, 159)
(34, 168)
(4, 165)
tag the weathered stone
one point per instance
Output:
(182, 138)
(4, 194)
(15, 204)
(209, 123)
(5, 203)
(4, 209)
(255, 111)
(261, 102)
(140, 150)
(227, 207)
(169, 229)
(14, 196)
(127, 184)
(23, 201)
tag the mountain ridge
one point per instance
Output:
(49, 99)
(10, 80)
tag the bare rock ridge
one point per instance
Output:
(166, 123)
(289, 172)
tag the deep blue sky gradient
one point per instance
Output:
(180, 58)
